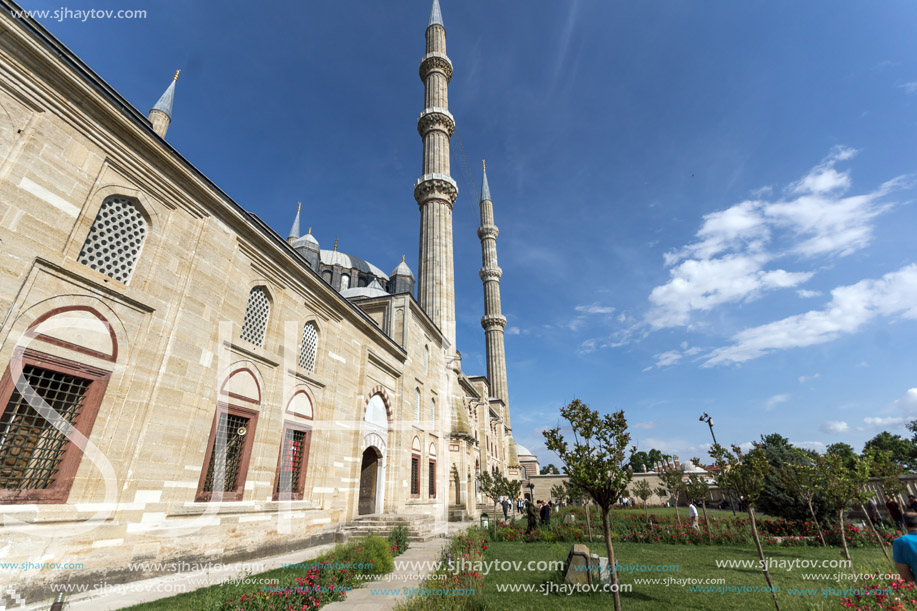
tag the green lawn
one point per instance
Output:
(697, 562)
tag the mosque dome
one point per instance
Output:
(336, 257)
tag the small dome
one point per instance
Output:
(307, 241)
(336, 257)
(373, 290)
(522, 451)
(402, 270)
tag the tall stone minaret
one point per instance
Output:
(493, 320)
(436, 191)
(161, 114)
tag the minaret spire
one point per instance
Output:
(493, 320)
(436, 191)
(161, 114)
(294, 230)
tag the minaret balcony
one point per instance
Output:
(435, 62)
(488, 231)
(493, 321)
(490, 273)
(435, 187)
(436, 118)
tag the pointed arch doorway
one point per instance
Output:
(372, 467)
(369, 471)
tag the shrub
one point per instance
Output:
(398, 540)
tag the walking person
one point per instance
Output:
(692, 513)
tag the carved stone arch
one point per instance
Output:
(237, 380)
(295, 407)
(143, 202)
(27, 325)
(383, 394)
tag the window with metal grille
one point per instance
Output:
(115, 238)
(432, 410)
(415, 475)
(291, 472)
(256, 315)
(228, 454)
(417, 405)
(432, 480)
(37, 461)
(308, 350)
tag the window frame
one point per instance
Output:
(71, 457)
(235, 495)
(415, 476)
(431, 476)
(267, 319)
(299, 490)
(315, 326)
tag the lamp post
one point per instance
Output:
(709, 420)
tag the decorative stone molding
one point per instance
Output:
(488, 231)
(490, 273)
(492, 321)
(435, 186)
(436, 119)
(435, 62)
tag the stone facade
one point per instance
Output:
(210, 350)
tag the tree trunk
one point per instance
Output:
(677, 516)
(767, 575)
(588, 521)
(703, 505)
(875, 532)
(612, 564)
(645, 516)
(817, 525)
(844, 541)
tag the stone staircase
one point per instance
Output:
(421, 527)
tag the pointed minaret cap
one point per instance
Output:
(164, 104)
(436, 15)
(403, 269)
(485, 188)
(294, 230)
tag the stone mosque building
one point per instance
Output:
(181, 383)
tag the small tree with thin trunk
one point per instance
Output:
(801, 478)
(841, 484)
(641, 489)
(596, 462)
(744, 475)
(570, 491)
(696, 487)
(673, 481)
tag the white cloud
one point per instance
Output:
(893, 295)
(775, 401)
(733, 258)
(807, 294)
(889, 421)
(809, 445)
(908, 403)
(835, 426)
(594, 309)
(804, 379)
(667, 358)
(909, 87)
(513, 331)
(644, 425)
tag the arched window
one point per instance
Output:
(327, 276)
(433, 410)
(115, 238)
(308, 350)
(524, 474)
(256, 316)
(426, 360)
(345, 282)
(417, 405)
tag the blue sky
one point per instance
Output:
(703, 206)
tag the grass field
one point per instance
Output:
(695, 562)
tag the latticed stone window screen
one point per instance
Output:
(433, 410)
(223, 475)
(115, 238)
(31, 448)
(416, 406)
(256, 315)
(291, 463)
(308, 350)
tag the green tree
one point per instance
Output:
(696, 488)
(844, 451)
(578, 495)
(673, 481)
(901, 451)
(842, 486)
(801, 479)
(641, 489)
(496, 485)
(549, 470)
(744, 476)
(640, 462)
(596, 462)
(778, 498)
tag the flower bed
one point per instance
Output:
(878, 592)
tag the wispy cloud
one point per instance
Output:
(909, 87)
(807, 294)
(732, 260)
(804, 379)
(894, 296)
(884, 422)
(644, 425)
(775, 401)
(594, 309)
